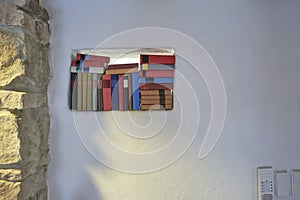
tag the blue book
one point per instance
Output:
(156, 80)
(114, 92)
(135, 91)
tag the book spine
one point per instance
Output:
(157, 67)
(97, 58)
(135, 92)
(73, 91)
(121, 71)
(123, 66)
(92, 63)
(114, 92)
(156, 92)
(144, 97)
(157, 107)
(160, 101)
(129, 92)
(97, 70)
(157, 59)
(99, 93)
(79, 91)
(84, 91)
(106, 85)
(156, 73)
(126, 92)
(155, 80)
(95, 87)
(89, 99)
(153, 86)
(121, 92)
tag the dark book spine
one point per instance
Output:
(99, 93)
(114, 92)
(121, 92)
(126, 93)
(153, 86)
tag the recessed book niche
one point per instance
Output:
(104, 80)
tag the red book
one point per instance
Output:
(156, 73)
(121, 92)
(156, 86)
(157, 59)
(106, 87)
(123, 66)
(92, 63)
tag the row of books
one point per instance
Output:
(156, 82)
(97, 86)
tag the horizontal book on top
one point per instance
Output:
(157, 59)
(80, 56)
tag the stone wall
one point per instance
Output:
(24, 117)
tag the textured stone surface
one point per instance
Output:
(12, 15)
(34, 186)
(24, 118)
(21, 100)
(11, 65)
(9, 141)
(9, 190)
(24, 62)
(13, 175)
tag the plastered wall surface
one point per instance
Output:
(255, 45)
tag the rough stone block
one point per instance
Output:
(9, 190)
(24, 63)
(21, 100)
(12, 15)
(9, 141)
(11, 65)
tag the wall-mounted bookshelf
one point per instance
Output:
(136, 79)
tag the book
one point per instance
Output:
(93, 63)
(156, 80)
(80, 56)
(156, 101)
(106, 87)
(154, 86)
(94, 93)
(99, 93)
(157, 107)
(123, 66)
(129, 91)
(73, 92)
(114, 92)
(156, 92)
(89, 93)
(126, 92)
(121, 91)
(161, 67)
(148, 97)
(135, 91)
(156, 73)
(79, 91)
(157, 59)
(121, 71)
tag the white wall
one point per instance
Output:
(256, 46)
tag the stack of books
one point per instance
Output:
(156, 79)
(97, 85)
(123, 88)
(86, 82)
